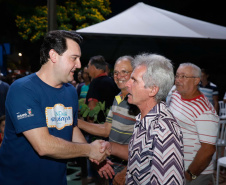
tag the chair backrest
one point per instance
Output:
(222, 110)
(222, 132)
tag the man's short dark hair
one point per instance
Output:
(99, 62)
(57, 40)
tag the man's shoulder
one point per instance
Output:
(206, 113)
(164, 110)
(162, 115)
(104, 82)
(24, 81)
(199, 104)
(204, 106)
(4, 84)
(104, 79)
(213, 86)
(28, 84)
(210, 85)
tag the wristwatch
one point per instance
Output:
(193, 177)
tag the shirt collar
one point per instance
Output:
(152, 116)
(102, 74)
(119, 98)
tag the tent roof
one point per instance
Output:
(146, 20)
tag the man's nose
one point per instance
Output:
(128, 83)
(78, 64)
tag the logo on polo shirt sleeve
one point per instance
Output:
(25, 115)
(59, 116)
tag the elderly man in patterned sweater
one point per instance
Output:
(199, 123)
(156, 147)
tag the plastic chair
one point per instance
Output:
(221, 143)
(222, 109)
(220, 162)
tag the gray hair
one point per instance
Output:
(159, 73)
(126, 57)
(196, 71)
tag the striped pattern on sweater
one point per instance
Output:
(156, 150)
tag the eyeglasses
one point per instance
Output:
(182, 77)
(122, 73)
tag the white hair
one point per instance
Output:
(195, 69)
(159, 73)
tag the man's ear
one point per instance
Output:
(153, 91)
(93, 67)
(197, 81)
(53, 55)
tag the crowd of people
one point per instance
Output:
(160, 128)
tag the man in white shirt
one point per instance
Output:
(199, 123)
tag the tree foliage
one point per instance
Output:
(72, 15)
(85, 112)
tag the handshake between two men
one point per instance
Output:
(99, 150)
(105, 166)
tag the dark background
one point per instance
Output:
(207, 53)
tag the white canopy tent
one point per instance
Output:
(146, 20)
(143, 28)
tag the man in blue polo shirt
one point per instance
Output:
(41, 118)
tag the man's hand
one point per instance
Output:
(98, 153)
(105, 169)
(120, 178)
(106, 146)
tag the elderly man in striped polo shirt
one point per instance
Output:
(199, 123)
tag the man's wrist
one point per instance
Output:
(111, 147)
(187, 176)
(192, 175)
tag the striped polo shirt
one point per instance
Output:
(122, 121)
(209, 91)
(199, 123)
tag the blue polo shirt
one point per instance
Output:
(31, 104)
